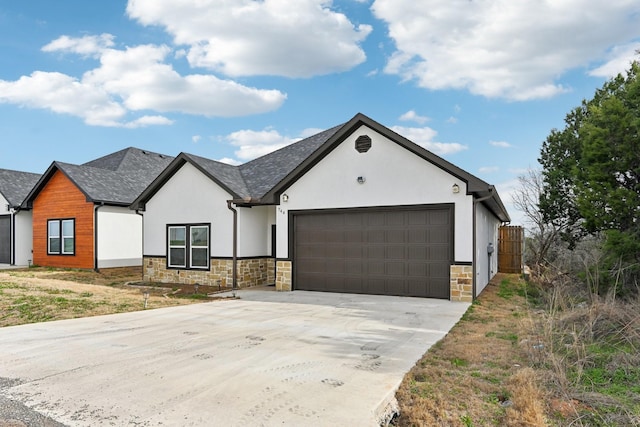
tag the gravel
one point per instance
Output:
(17, 414)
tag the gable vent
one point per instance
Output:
(363, 143)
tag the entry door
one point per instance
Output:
(5, 239)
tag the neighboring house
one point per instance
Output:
(15, 222)
(81, 215)
(357, 208)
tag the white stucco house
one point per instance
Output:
(16, 245)
(357, 208)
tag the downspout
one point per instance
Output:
(235, 246)
(475, 249)
(142, 246)
(13, 212)
(95, 235)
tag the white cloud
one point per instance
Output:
(452, 120)
(619, 60)
(196, 138)
(424, 137)
(488, 169)
(254, 144)
(85, 46)
(134, 80)
(414, 117)
(229, 161)
(270, 37)
(502, 48)
(500, 144)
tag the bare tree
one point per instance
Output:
(542, 235)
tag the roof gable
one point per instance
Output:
(115, 179)
(16, 185)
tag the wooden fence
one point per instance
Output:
(510, 249)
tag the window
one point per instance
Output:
(188, 246)
(61, 237)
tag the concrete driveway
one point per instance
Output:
(269, 358)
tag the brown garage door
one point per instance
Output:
(385, 251)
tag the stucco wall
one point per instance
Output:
(119, 237)
(23, 238)
(22, 232)
(254, 231)
(487, 226)
(393, 176)
(189, 197)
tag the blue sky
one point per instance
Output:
(480, 82)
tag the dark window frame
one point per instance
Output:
(188, 258)
(61, 236)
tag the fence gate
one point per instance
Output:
(510, 248)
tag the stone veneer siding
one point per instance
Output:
(251, 272)
(283, 275)
(461, 283)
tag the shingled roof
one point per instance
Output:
(16, 185)
(261, 181)
(247, 182)
(115, 179)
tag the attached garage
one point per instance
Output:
(385, 251)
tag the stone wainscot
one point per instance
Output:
(251, 272)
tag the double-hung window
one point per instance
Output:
(61, 237)
(188, 246)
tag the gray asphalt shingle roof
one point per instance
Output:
(117, 178)
(263, 173)
(16, 185)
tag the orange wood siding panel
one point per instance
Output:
(61, 199)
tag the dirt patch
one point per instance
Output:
(42, 294)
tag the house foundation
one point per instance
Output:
(251, 272)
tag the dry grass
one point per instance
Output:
(39, 294)
(477, 374)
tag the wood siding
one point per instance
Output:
(61, 199)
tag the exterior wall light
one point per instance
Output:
(455, 188)
(361, 180)
(285, 198)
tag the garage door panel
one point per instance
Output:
(354, 236)
(375, 236)
(417, 253)
(439, 235)
(417, 218)
(438, 253)
(353, 267)
(392, 268)
(418, 235)
(396, 236)
(420, 270)
(396, 251)
(354, 252)
(353, 285)
(375, 252)
(374, 268)
(335, 250)
(439, 218)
